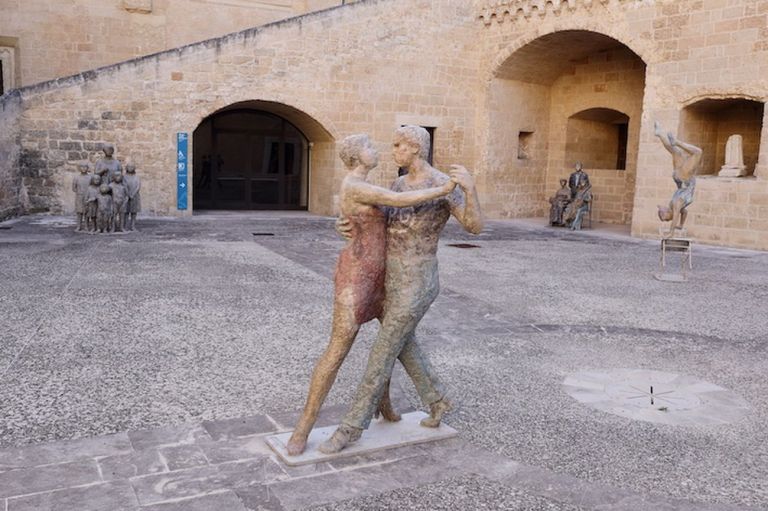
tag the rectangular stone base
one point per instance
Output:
(379, 436)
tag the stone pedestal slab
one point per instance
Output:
(379, 436)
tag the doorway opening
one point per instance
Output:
(249, 159)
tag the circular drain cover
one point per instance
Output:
(656, 396)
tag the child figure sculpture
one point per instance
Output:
(119, 200)
(133, 193)
(80, 186)
(91, 206)
(104, 213)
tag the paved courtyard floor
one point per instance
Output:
(143, 371)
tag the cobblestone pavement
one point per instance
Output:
(142, 371)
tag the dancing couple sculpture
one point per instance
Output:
(387, 271)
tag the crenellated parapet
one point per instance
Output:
(501, 10)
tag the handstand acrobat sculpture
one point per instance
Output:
(359, 280)
(685, 161)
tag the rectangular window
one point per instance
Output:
(524, 145)
(7, 65)
(621, 159)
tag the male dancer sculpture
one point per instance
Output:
(685, 161)
(411, 283)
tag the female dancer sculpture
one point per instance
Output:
(359, 280)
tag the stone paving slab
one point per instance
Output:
(70, 450)
(240, 473)
(48, 477)
(113, 496)
(380, 436)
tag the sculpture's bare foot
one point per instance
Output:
(343, 436)
(436, 412)
(387, 411)
(296, 444)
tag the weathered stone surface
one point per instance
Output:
(159, 437)
(199, 481)
(220, 501)
(114, 496)
(232, 428)
(134, 464)
(60, 452)
(183, 456)
(23, 481)
(236, 449)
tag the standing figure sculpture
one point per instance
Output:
(685, 161)
(104, 211)
(119, 200)
(108, 166)
(579, 206)
(411, 284)
(359, 279)
(80, 185)
(577, 177)
(558, 203)
(91, 204)
(133, 193)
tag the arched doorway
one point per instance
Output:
(564, 97)
(246, 159)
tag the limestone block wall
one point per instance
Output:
(367, 67)
(705, 50)
(693, 50)
(615, 80)
(11, 195)
(514, 186)
(57, 38)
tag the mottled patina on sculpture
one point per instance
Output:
(108, 166)
(132, 184)
(411, 283)
(80, 185)
(359, 280)
(558, 203)
(685, 161)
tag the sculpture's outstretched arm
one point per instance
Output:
(367, 193)
(465, 207)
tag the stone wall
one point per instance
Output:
(55, 39)
(318, 71)
(613, 79)
(11, 195)
(484, 81)
(693, 50)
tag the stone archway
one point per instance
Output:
(260, 155)
(533, 94)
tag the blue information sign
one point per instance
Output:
(182, 167)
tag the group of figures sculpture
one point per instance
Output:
(387, 271)
(107, 201)
(572, 201)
